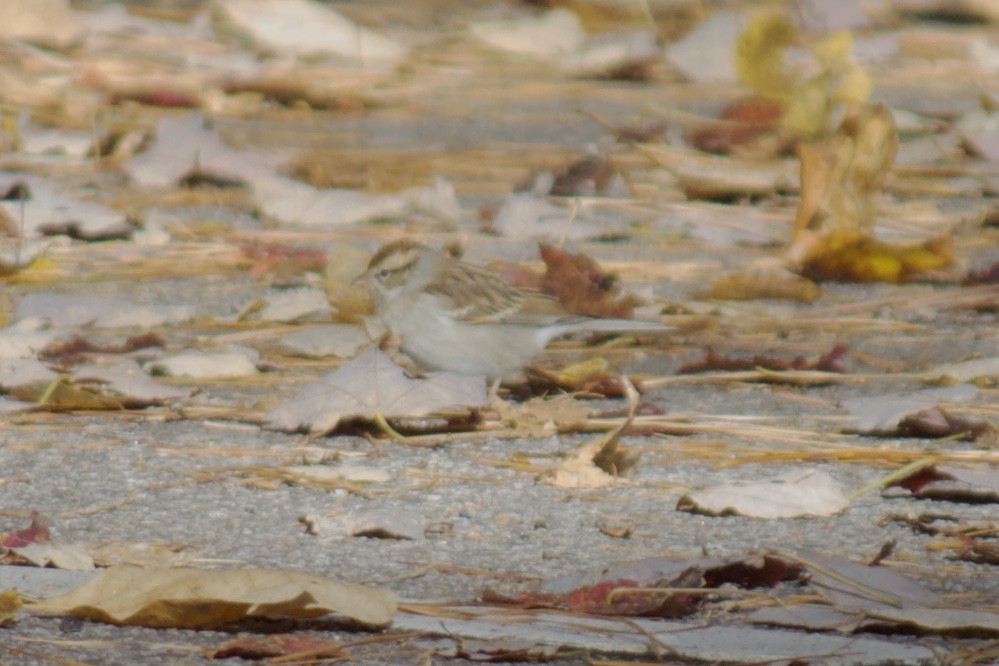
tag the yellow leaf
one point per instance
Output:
(811, 99)
(578, 373)
(833, 51)
(854, 86)
(10, 604)
(760, 55)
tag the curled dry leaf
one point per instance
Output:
(950, 483)
(579, 283)
(198, 599)
(602, 461)
(841, 181)
(809, 100)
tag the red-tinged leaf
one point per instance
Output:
(164, 98)
(747, 119)
(282, 260)
(37, 532)
(612, 598)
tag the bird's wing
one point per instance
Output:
(477, 296)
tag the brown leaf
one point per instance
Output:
(579, 283)
(762, 283)
(289, 646)
(743, 121)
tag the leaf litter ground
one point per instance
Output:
(198, 479)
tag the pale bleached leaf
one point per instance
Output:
(372, 385)
(808, 493)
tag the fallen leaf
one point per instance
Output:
(971, 371)
(10, 604)
(317, 341)
(126, 382)
(237, 362)
(78, 348)
(809, 493)
(49, 23)
(199, 599)
(809, 100)
(304, 29)
(617, 527)
(762, 283)
(708, 51)
(289, 647)
(579, 283)
(740, 123)
(882, 414)
(37, 532)
(950, 483)
(831, 361)
(841, 182)
(987, 275)
(66, 556)
(282, 261)
(542, 416)
(557, 32)
(292, 305)
(372, 386)
(589, 176)
(724, 179)
(69, 310)
(505, 650)
(625, 56)
(34, 207)
(371, 523)
(602, 461)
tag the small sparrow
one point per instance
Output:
(462, 318)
